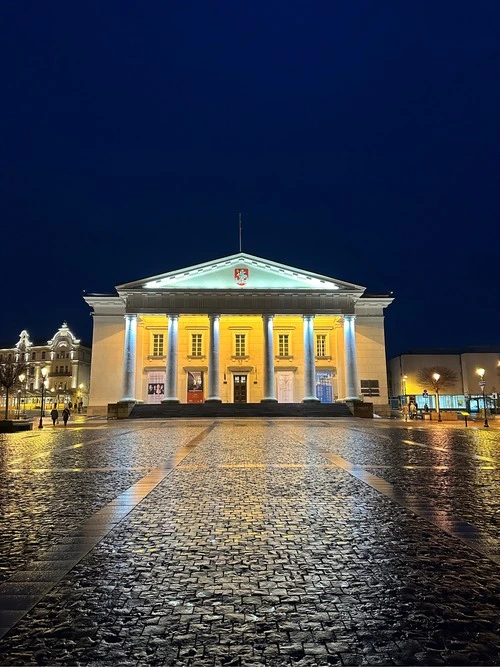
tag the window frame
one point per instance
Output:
(196, 345)
(157, 344)
(240, 345)
(284, 345)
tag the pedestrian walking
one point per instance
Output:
(404, 410)
(413, 410)
(55, 416)
(65, 415)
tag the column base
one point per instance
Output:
(311, 399)
(170, 401)
(352, 398)
(127, 400)
(213, 401)
(269, 400)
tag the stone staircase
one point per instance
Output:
(238, 410)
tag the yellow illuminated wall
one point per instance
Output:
(250, 364)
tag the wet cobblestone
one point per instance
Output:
(257, 550)
(47, 488)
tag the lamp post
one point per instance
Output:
(44, 372)
(22, 378)
(482, 383)
(80, 396)
(435, 377)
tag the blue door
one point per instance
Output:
(324, 387)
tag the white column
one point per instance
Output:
(309, 366)
(213, 361)
(128, 392)
(351, 366)
(171, 370)
(269, 391)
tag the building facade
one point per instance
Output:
(67, 362)
(237, 329)
(466, 393)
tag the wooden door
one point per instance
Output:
(240, 389)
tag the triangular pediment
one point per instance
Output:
(240, 272)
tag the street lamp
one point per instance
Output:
(435, 377)
(80, 397)
(482, 383)
(22, 378)
(44, 372)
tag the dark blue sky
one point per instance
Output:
(358, 139)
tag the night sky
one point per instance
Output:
(358, 139)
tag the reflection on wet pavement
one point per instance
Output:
(257, 542)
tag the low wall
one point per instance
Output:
(14, 425)
(361, 409)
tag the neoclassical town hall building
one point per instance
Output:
(234, 330)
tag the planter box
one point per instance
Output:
(14, 425)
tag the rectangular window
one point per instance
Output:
(158, 345)
(370, 388)
(33, 355)
(321, 345)
(283, 345)
(240, 345)
(43, 355)
(196, 347)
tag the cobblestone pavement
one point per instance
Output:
(250, 542)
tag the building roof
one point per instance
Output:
(461, 350)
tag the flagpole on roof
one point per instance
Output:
(240, 232)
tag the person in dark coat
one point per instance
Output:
(65, 415)
(55, 416)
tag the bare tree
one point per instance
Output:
(447, 377)
(9, 377)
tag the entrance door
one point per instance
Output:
(195, 387)
(240, 389)
(324, 386)
(284, 382)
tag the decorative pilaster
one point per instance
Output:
(213, 361)
(129, 351)
(351, 366)
(171, 370)
(309, 366)
(269, 391)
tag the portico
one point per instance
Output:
(238, 329)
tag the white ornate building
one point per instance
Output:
(67, 362)
(237, 329)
